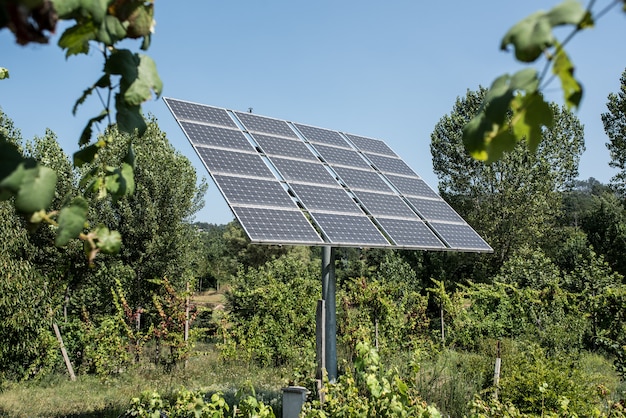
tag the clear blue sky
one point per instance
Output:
(388, 70)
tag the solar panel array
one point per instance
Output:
(290, 183)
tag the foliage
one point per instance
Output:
(512, 202)
(614, 122)
(272, 312)
(514, 109)
(129, 78)
(368, 391)
(384, 312)
(195, 404)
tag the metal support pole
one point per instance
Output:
(330, 323)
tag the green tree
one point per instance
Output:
(614, 122)
(512, 201)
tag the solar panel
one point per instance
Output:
(252, 191)
(410, 233)
(214, 136)
(353, 230)
(294, 148)
(201, 113)
(370, 145)
(390, 165)
(379, 204)
(362, 179)
(290, 183)
(460, 236)
(220, 161)
(341, 156)
(304, 171)
(276, 226)
(316, 198)
(323, 136)
(435, 210)
(254, 123)
(412, 186)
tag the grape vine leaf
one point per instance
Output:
(71, 220)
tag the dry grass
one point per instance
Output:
(208, 299)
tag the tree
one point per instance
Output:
(512, 201)
(614, 122)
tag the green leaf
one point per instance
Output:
(71, 221)
(85, 155)
(147, 80)
(110, 31)
(36, 190)
(139, 76)
(570, 12)
(564, 69)
(85, 136)
(120, 181)
(129, 117)
(530, 114)
(109, 242)
(532, 35)
(487, 136)
(4, 73)
(75, 40)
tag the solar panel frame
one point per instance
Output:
(435, 210)
(412, 186)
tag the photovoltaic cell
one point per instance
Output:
(362, 179)
(460, 236)
(379, 204)
(277, 226)
(324, 136)
(349, 230)
(239, 163)
(303, 171)
(251, 191)
(435, 210)
(201, 113)
(390, 165)
(294, 148)
(341, 156)
(254, 123)
(410, 233)
(316, 198)
(213, 136)
(412, 186)
(370, 145)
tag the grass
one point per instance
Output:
(90, 396)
